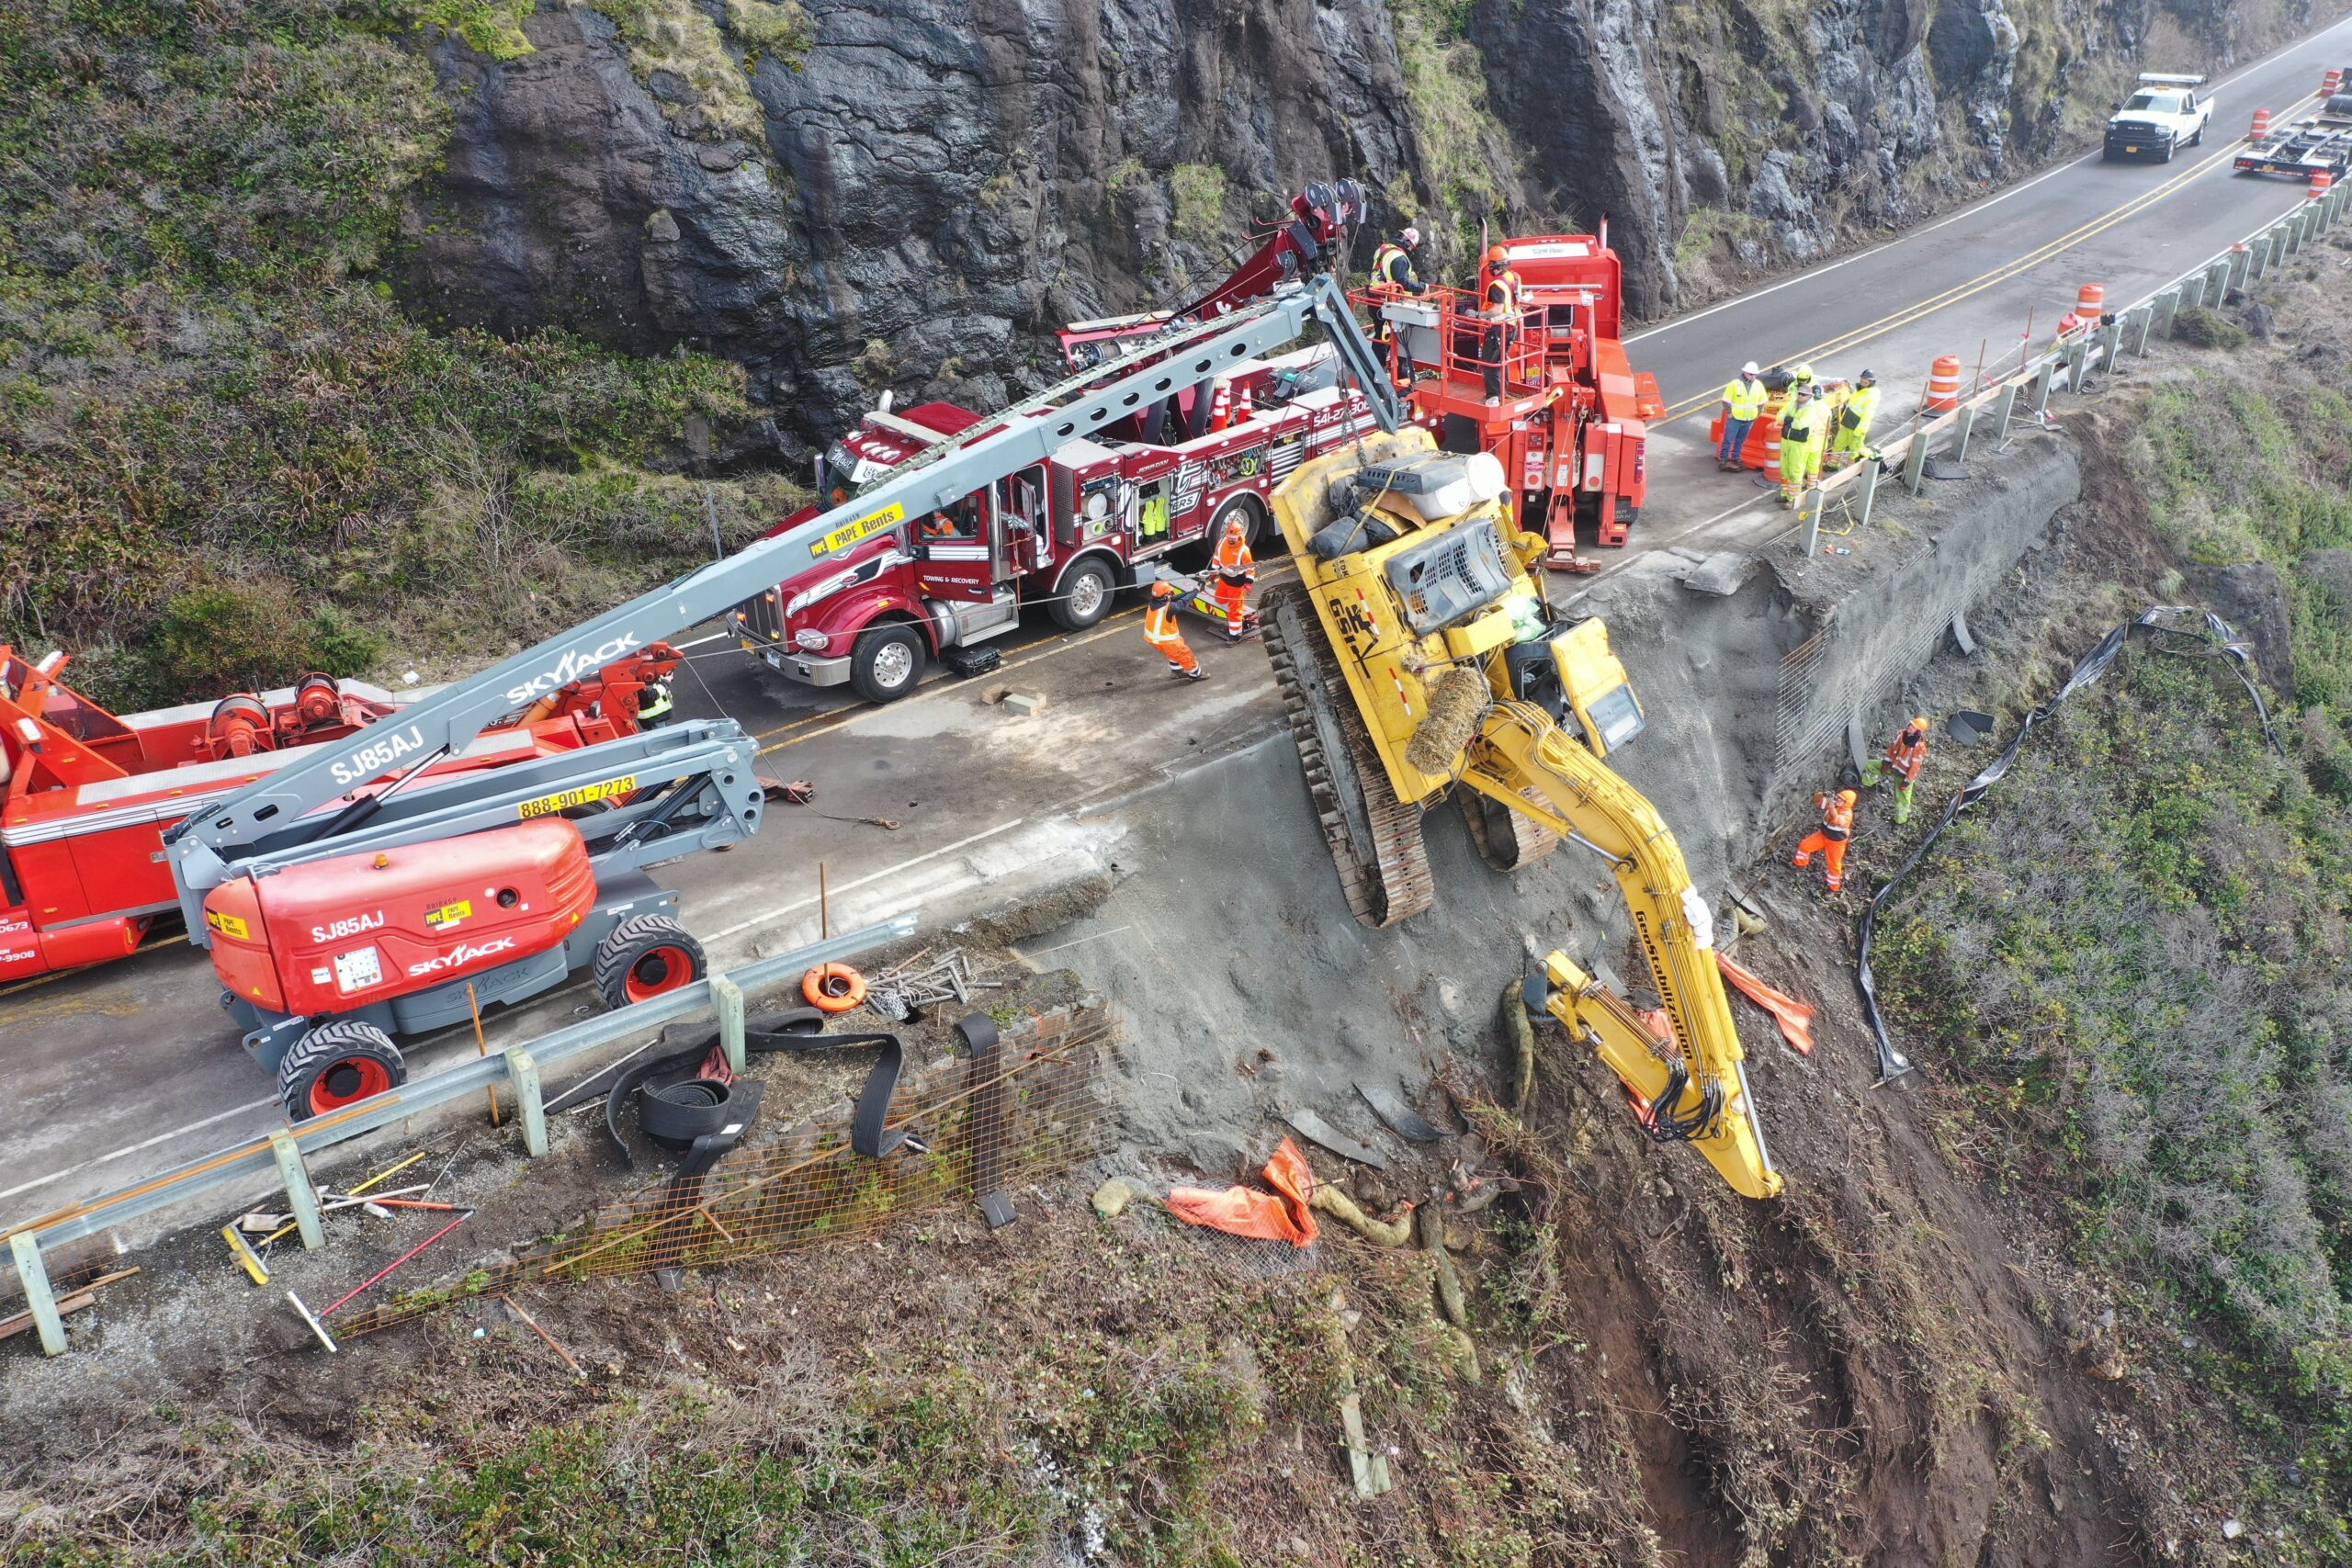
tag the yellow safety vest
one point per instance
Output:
(1746, 397)
(1860, 406)
(1384, 264)
(1799, 426)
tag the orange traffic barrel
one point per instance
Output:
(1770, 425)
(2260, 130)
(1943, 385)
(2334, 81)
(2092, 300)
(2320, 180)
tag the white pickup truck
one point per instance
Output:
(2165, 114)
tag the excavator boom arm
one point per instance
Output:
(1695, 1087)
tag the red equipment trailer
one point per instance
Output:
(1070, 532)
(1569, 423)
(86, 795)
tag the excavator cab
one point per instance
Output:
(1598, 691)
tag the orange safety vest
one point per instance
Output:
(1234, 563)
(1159, 621)
(1503, 295)
(1837, 819)
(1907, 753)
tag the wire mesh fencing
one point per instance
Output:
(1030, 1109)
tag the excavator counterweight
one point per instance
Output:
(1417, 658)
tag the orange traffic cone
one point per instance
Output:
(1244, 407)
(1221, 408)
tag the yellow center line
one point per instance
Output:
(841, 718)
(1870, 332)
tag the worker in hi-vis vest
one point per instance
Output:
(1801, 440)
(1161, 630)
(1236, 573)
(1830, 838)
(1743, 401)
(1905, 755)
(1393, 277)
(1850, 438)
(1500, 301)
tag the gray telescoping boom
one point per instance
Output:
(206, 849)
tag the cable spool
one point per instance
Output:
(239, 726)
(318, 700)
(1456, 703)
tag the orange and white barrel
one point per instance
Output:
(1771, 427)
(2332, 83)
(1943, 385)
(2091, 300)
(2261, 129)
(2321, 181)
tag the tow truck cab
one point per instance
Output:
(2164, 114)
(890, 592)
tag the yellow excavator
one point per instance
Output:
(1417, 654)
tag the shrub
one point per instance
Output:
(2204, 329)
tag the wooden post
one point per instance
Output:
(39, 1299)
(301, 1196)
(728, 998)
(481, 1048)
(524, 1074)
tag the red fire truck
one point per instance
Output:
(1069, 532)
(1567, 415)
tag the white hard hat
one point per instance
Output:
(1748, 368)
(1411, 236)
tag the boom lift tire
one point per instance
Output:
(644, 957)
(1506, 839)
(1084, 596)
(336, 1065)
(887, 662)
(1375, 839)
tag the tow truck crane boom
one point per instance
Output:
(205, 850)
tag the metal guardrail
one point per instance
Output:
(2246, 260)
(283, 1153)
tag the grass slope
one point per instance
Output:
(225, 456)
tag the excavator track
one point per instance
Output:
(1505, 839)
(1375, 839)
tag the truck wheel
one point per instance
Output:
(336, 1065)
(644, 957)
(887, 663)
(2196, 137)
(1084, 596)
(2171, 144)
(1252, 514)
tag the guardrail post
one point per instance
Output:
(39, 1299)
(524, 1073)
(2240, 265)
(2164, 307)
(1915, 464)
(2111, 346)
(2043, 379)
(2192, 295)
(727, 997)
(1868, 485)
(301, 1196)
(2003, 407)
(1812, 524)
(2136, 323)
(2078, 361)
(1963, 425)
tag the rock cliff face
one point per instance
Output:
(855, 194)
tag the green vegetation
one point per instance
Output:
(1708, 224)
(1196, 203)
(2134, 954)
(1461, 142)
(490, 27)
(214, 423)
(679, 39)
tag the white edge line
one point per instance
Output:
(777, 914)
(134, 1148)
(1971, 209)
(715, 637)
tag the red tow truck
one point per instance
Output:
(1570, 421)
(1069, 532)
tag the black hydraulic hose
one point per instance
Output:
(1891, 1062)
(682, 1111)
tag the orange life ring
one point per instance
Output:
(834, 988)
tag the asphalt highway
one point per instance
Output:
(118, 1071)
